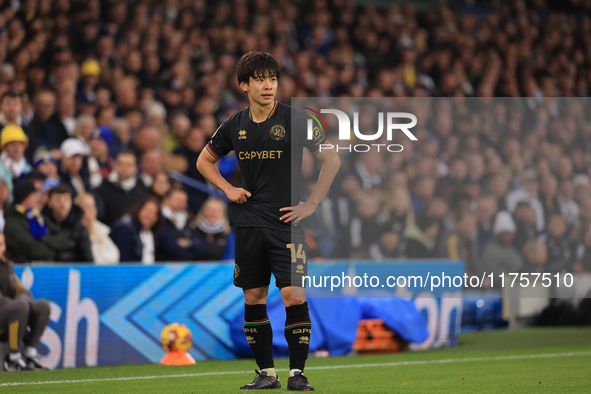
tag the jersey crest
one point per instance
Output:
(277, 132)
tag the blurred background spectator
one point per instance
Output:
(137, 232)
(104, 250)
(500, 256)
(61, 213)
(213, 228)
(71, 171)
(26, 228)
(13, 164)
(177, 241)
(121, 189)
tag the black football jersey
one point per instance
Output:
(270, 158)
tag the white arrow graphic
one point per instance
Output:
(204, 339)
(116, 316)
(211, 314)
(151, 315)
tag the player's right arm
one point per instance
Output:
(219, 146)
(206, 166)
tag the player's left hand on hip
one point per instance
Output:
(297, 213)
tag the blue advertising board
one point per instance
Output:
(106, 315)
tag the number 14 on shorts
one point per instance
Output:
(297, 252)
(298, 267)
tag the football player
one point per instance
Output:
(268, 138)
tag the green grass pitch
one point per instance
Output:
(521, 361)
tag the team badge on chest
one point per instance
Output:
(277, 132)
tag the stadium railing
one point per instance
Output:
(197, 185)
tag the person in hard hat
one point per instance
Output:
(13, 142)
(90, 72)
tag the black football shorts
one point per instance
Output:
(261, 251)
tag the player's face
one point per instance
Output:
(261, 89)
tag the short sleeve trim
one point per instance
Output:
(320, 146)
(212, 152)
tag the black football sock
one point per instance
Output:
(298, 328)
(259, 335)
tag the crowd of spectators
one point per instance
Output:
(100, 100)
(509, 192)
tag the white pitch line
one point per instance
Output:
(392, 364)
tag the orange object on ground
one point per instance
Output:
(374, 337)
(177, 358)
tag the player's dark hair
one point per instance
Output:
(257, 64)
